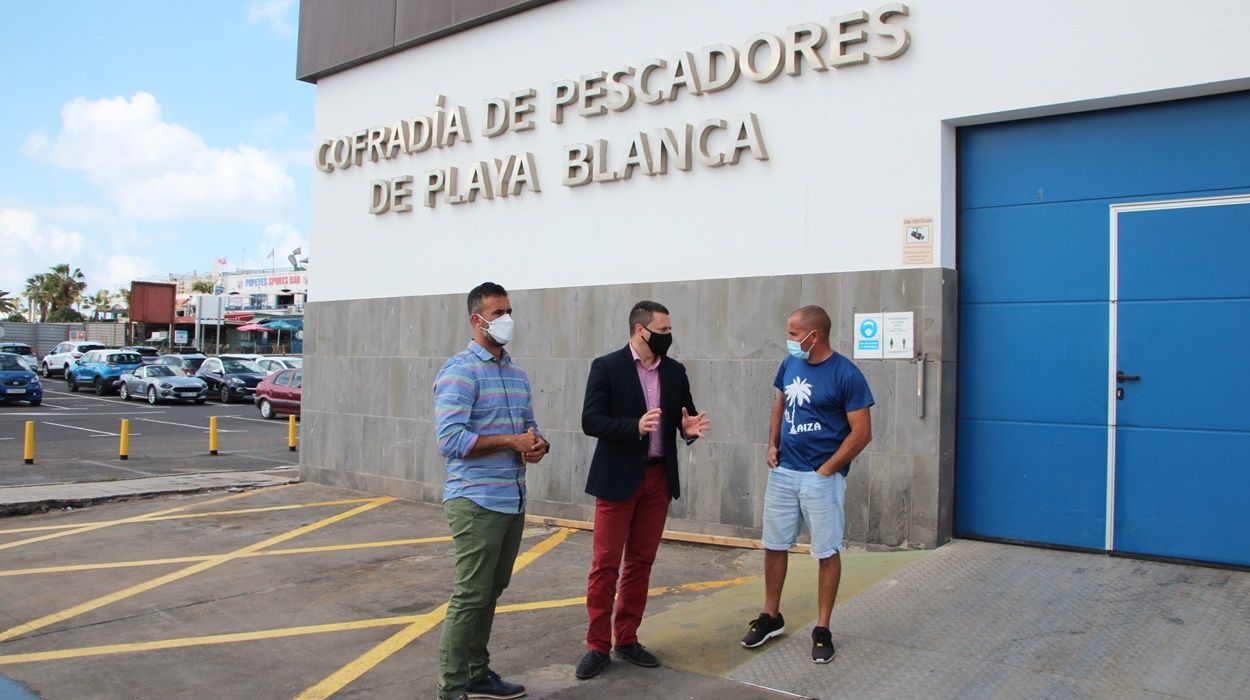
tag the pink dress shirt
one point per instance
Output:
(649, 377)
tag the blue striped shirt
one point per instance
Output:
(474, 395)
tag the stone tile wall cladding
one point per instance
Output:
(367, 418)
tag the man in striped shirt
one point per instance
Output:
(486, 431)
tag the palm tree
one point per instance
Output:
(68, 286)
(39, 290)
(100, 304)
(202, 286)
(7, 305)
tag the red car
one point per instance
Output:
(280, 393)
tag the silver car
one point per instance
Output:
(162, 383)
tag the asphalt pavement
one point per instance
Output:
(77, 438)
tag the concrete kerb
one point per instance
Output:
(24, 500)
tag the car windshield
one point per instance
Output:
(89, 347)
(160, 371)
(16, 349)
(293, 362)
(124, 358)
(241, 367)
(146, 352)
(193, 362)
(9, 363)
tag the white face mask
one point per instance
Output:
(500, 330)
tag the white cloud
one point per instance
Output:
(274, 13)
(154, 169)
(282, 239)
(32, 244)
(272, 126)
(121, 269)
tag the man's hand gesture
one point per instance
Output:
(694, 426)
(649, 423)
(532, 447)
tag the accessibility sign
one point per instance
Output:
(868, 336)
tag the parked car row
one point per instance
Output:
(273, 383)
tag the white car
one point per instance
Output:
(277, 364)
(63, 355)
(23, 352)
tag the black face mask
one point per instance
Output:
(659, 342)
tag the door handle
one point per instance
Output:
(1120, 376)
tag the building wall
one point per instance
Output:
(853, 152)
(371, 363)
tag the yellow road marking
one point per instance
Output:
(362, 664)
(259, 635)
(203, 557)
(216, 560)
(132, 519)
(210, 514)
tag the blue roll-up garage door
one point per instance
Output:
(1105, 313)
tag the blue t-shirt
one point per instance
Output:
(816, 399)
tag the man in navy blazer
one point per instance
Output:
(637, 403)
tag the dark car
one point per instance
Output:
(101, 370)
(17, 381)
(147, 355)
(280, 392)
(230, 378)
(188, 364)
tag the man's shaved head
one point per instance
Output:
(813, 318)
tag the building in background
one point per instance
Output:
(1025, 219)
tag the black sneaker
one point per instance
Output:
(490, 685)
(822, 645)
(764, 628)
(636, 654)
(591, 664)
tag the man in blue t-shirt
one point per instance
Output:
(820, 422)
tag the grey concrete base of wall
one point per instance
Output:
(370, 365)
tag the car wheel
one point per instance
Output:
(36, 402)
(266, 409)
(70, 383)
(152, 395)
(65, 371)
(199, 402)
(43, 370)
(124, 392)
(224, 396)
(100, 389)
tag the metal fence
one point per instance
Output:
(45, 336)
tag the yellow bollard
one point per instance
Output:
(212, 435)
(29, 453)
(123, 450)
(290, 433)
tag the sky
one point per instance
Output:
(140, 138)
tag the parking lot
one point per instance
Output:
(308, 591)
(77, 438)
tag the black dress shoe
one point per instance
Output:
(591, 664)
(637, 654)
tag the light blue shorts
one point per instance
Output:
(794, 497)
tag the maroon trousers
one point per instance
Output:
(627, 535)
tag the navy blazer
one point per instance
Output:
(614, 404)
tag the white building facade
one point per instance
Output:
(1014, 179)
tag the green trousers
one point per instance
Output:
(486, 544)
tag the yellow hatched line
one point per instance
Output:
(132, 519)
(362, 664)
(216, 560)
(278, 633)
(205, 557)
(210, 514)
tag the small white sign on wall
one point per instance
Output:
(868, 336)
(898, 341)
